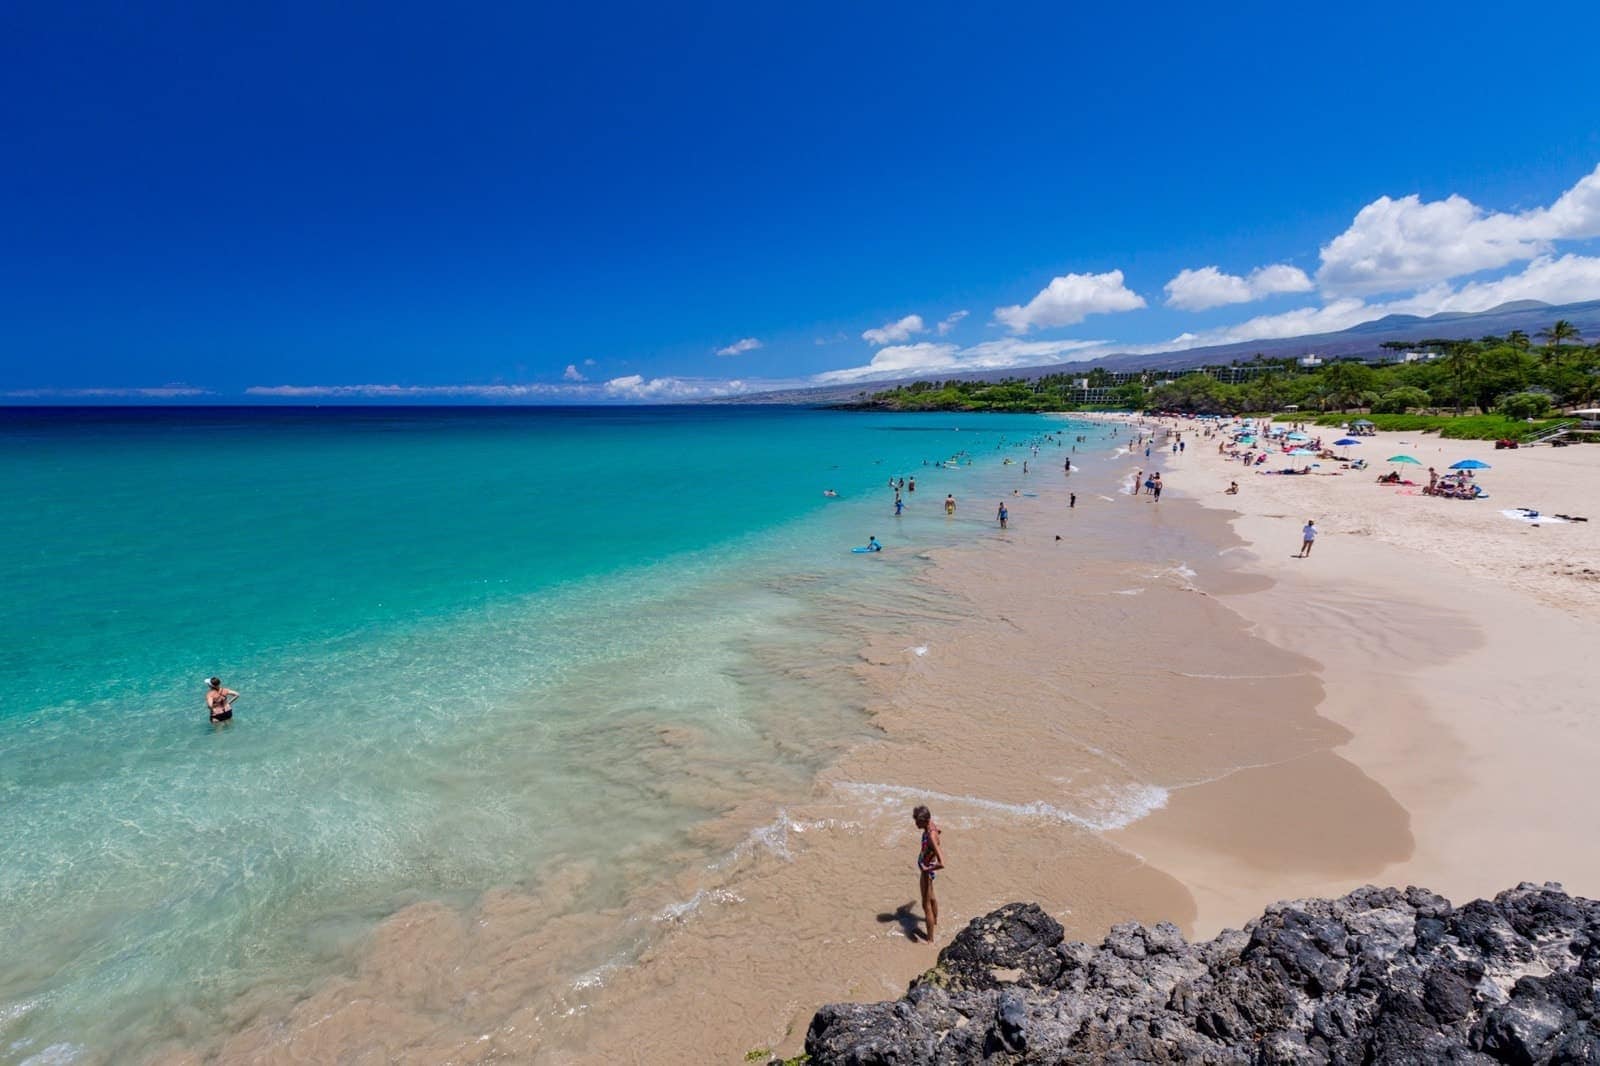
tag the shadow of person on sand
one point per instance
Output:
(910, 924)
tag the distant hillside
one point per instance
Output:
(1530, 316)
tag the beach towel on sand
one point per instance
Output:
(1527, 514)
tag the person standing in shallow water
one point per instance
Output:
(219, 700)
(930, 860)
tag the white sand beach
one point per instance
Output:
(1452, 642)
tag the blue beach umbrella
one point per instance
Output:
(1302, 451)
(1298, 436)
(1469, 464)
(1403, 459)
(1346, 442)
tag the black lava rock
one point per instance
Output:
(1378, 976)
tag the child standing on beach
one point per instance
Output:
(1308, 537)
(930, 860)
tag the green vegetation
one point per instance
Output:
(764, 1054)
(1506, 380)
(1465, 427)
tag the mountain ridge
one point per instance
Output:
(1364, 338)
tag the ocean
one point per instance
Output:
(468, 642)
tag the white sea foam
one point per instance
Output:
(1108, 499)
(1117, 808)
(682, 910)
(1128, 592)
(1182, 571)
(56, 1055)
(10, 1012)
(919, 650)
(773, 838)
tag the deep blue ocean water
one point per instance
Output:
(456, 633)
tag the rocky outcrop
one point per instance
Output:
(1379, 976)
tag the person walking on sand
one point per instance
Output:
(930, 860)
(1072, 500)
(1308, 537)
(219, 700)
(1002, 514)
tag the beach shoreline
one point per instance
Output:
(1444, 634)
(1124, 723)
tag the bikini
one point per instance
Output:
(928, 854)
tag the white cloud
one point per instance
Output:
(159, 392)
(905, 359)
(588, 362)
(1197, 290)
(895, 332)
(1068, 299)
(412, 392)
(572, 373)
(949, 321)
(1569, 279)
(910, 360)
(638, 387)
(739, 347)
(1395, 245)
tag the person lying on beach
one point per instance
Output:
(930, 860)
(1233, 488)
(219, 700)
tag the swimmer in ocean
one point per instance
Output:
(219, 700)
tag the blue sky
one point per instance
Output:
(411, 201)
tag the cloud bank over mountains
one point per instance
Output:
(1398, 256)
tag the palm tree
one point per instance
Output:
(1462, 359)
(1557, 335)
(1518, 340)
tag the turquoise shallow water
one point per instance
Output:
(457, 633)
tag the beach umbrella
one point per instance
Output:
(1302, 451)
(1346, 442)
(1469, 464)
(1298, 436)
(1403, 459)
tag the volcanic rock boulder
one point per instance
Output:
(1378, 976)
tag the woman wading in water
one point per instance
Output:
(930, 859)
